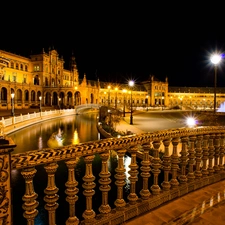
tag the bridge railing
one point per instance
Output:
(192, 158)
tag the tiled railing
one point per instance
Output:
(192, 158)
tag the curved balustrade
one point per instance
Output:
(192, 158)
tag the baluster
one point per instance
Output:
(174, 163)
(120, 180)
(191, 157)
(221, 151)
(166, 165)
(51, 191)
(71, 192)
(211, 154)
(132, 197)
(217, 153)
(155, 168)
(30, 204)
(105, 184)
(183, 158)
(198, 154)
(205, 157)
(88, 186)
(145, 168)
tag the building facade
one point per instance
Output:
(42, 79)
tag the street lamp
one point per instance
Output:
(40, 102)
(215, 59)
(109, 96)
(116, 89)
(12, 97)
(131, 84)
(124, 92)
(59, 102)
(147, 101)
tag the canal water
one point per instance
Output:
(54, 133)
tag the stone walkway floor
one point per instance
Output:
(168, 213)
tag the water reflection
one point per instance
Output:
(57, 132)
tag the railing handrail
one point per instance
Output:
(38, 157)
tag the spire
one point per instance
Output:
(73, 64)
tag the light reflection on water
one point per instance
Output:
(76, 129)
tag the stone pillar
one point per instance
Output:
(166, 165)
(71, 191)
(145, 172)
(155, 168)
(183, 161)
(6, 147)
(132, 197)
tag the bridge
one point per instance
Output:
(83, 107)
(193, 158)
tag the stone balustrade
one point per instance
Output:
(192, 158)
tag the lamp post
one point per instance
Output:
(215, 59)
(12, 97)
(109, 96)
(116, 89)
(40, 102)
(59, 103)
(131, 84)
(147, 102)
(124, 92)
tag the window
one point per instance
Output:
(17, 66)
(25, 67)
(12, 65)
(36, 68)
(14, 78)
(21, 66)
(25, 80)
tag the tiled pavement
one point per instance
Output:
(187, 206)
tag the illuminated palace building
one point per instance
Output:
(42, 77)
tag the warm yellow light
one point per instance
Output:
(12, 95)
(109, 87)
(124, 90)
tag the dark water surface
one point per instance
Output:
(74, 129)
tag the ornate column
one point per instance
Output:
(132, 197)
(6, 147)
(211, 154)
(29, 198)
(88, 186)
(183, 161)
(217, 153)
(120, 179)
(166, 165)
(174, 164)
(205, 154)
(221, 151)
(198, 154)
(72, 191)
(105, 182)
(155, 168)
(51, 191)
(145, 168)
(191, 159)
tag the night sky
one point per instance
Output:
(116, 43)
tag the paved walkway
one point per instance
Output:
(187, 206)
